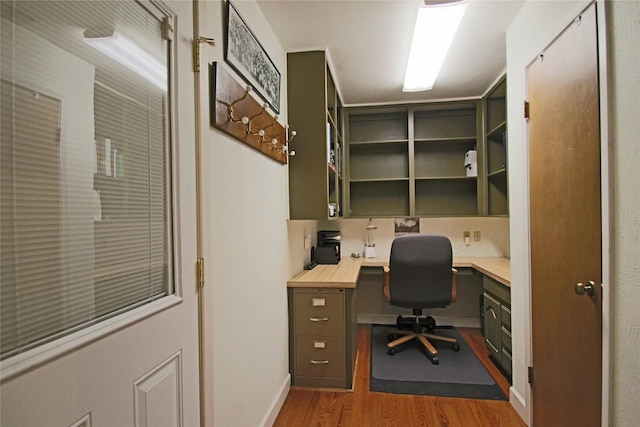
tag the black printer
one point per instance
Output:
(328, 250)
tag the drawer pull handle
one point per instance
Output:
(318, 319)
(319, 362)
(493, 312)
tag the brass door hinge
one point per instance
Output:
(530, 374)
(167, 28)
(526, 110)
(196, 51)
(200, 272)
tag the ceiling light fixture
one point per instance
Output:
(436, 25)
(132, 56)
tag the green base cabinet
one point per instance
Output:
(497, 322)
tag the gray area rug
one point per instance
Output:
(409, 371)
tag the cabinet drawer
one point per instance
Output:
(320, 356)
(319, 314)
(492, 324)
(497, 289)
(506, 360)
(506, 338)
(506, 316)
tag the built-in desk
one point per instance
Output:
(323, 318)
(345, 274)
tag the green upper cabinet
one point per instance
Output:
(409, 160)
(315, 113)
(496, 149)
(378, 160)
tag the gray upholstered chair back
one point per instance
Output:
(420, 271)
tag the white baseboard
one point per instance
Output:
(519, 404)
(390, 319)
(271, 416)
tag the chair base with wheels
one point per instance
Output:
(421, 330)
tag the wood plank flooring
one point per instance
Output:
(364, 408)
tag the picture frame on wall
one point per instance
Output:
(406, 226)
(244, 53)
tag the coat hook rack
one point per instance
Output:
(260, 132)
(239, 115)
(230, 106)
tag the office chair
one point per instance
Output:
(420, 275)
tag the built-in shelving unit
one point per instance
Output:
(409, 160)
(443, 133)
(496, 149)
(393, 161)
(315, 112)
(379, 163)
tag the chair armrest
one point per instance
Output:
(385, 281)
(454, 284)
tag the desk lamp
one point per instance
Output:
(369, 246)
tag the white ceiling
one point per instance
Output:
(368, 44)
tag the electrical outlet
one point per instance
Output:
(466, 235)
(476, 236)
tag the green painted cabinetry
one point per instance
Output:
(496, 300)
(409, 160)
(495, 107)
(322, 337)
(315, 113)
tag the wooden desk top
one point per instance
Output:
(345, 274)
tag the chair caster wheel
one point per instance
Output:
(391, 351)
(456, 347)
(430, 323)
(435, 360)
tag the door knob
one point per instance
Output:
(589, 289)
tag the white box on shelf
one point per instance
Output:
(471, 162)
(472, 169)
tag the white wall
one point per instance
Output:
(494, 234)
(246, 252)
(623, 30)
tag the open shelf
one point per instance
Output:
(447, 197)
(379, 198)
(497, 196)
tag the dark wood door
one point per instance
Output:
(566, 234)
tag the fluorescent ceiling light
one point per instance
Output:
(132, 56)
(435, 27)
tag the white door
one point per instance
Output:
(139, 366)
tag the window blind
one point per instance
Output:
(85, 191)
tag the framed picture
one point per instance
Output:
(244, 53)
(406, 226)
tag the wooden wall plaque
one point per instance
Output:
(230, 102)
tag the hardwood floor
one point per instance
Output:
(364, 408)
